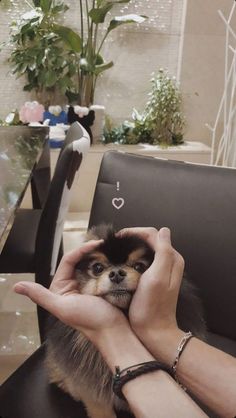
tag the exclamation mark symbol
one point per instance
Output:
(117, 185)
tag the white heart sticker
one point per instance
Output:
(118, 202)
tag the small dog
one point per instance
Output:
(112, 271)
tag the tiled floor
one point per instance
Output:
(18, 320)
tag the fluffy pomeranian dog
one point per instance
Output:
(112, 271)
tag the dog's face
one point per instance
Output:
(114, 269)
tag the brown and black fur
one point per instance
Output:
(73, 362)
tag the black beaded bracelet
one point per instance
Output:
(119, 378)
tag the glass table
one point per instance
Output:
(24, 158)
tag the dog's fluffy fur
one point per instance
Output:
(112, 271)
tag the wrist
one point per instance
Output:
(121, 347)
(162, 344)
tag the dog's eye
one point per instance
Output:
(140, 267)
(98, 268)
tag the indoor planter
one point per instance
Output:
(161, 122)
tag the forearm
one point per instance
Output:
(157, 391)
(208, 373)
(150, 392)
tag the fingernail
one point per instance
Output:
(20, 288)
(164, 233)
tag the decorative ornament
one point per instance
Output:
(56, 115)
(31, 112)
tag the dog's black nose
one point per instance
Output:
(117, 276)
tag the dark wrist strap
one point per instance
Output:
(123, 376)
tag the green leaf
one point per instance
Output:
(25, 28)
(65, 84)
(121, 20)
(59, 8)
(28, 87)
(50, 78)
(100, 2)
(103, 67)
(99, 60)
(121, 1)
(72, 97)
(42, 76)
(98, 14)
(45, 5)
(72, 70)
(36, 3)
(70, 38)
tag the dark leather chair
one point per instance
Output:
(34, 244)
(198, 204)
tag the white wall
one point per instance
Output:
(202, 74)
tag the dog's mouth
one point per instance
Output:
(119, 297)
(120, 292)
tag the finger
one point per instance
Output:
(38, 294)
(164, 237)
(148, 234)
(170, 263)
(177, 271)
(69, 260)
(161, 268)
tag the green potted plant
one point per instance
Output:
(162, 122)
(53, 56)
(39, 53)
(93, 36)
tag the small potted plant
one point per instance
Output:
(162, 122)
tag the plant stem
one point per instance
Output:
(87, 14)
(30, 5)
(82, 25)
(92, 24)
(102, 42)
(95, 39)
(93, 88)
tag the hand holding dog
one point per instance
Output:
(90, 314)
(152, 312)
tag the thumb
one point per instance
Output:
(38, 294)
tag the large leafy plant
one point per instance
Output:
(54, 56)
(39, 52)
(93, 35)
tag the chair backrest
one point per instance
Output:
(50, 229)
(197, 202)
(74, 132)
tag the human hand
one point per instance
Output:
(90, 314)
(152, 312)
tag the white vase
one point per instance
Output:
(98, 125)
